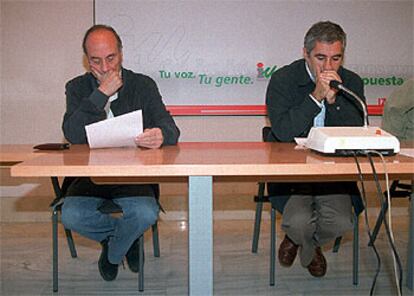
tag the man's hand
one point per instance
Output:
(109, 82)
(322, 89)
(150, 138)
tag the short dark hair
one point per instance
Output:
(95, 28)
(325, 31)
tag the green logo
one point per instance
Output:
(265, 72)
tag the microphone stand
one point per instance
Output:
(337, 85)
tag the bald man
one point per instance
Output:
(108, 90)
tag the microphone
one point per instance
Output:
(339, 86)
(335, 84)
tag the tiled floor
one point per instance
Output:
(26, 264)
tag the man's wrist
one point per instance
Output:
(99, 99)
(103, 91)
(318, 102)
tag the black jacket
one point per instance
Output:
(85, 105)
(291, 113)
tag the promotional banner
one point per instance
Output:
(216, 57)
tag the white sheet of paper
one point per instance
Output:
(118, 131)
(407, 152)
(301, 141)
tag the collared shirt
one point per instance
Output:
(108, 110)
(112, 98)
(319, 119)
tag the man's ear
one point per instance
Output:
(85, 63)
(305, 53)
(121, 57)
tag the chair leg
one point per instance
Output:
(71, 243)
(337, 244)
(155, 240)
(258, 216)
(257, 222)
(141, 264)
(355, 267)
(55, 249)
(272, 246)
(378, 224)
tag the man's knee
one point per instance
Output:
(344, 223)
(70, 217)
(337, 225)
(144, 212)
(148, 215)
(76, 213)
(298, 224)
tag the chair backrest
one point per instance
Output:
(65, 185)
(398, 189)
(60, 190)
(265, 133)
(279, 202)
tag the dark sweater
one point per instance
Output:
(291, 113)
(85, 105)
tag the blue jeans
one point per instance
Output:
(80, 214)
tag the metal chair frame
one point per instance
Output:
(397, 190)
(260, 198)
(56, 206)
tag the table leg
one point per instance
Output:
(410, 260)
(200, 240)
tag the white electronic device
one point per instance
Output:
(350, 140)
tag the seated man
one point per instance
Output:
(299, 97)
(398, 116)
(110, 90)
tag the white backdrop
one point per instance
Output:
(207, 52)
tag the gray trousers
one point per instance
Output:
(311, 221)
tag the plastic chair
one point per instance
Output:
(56, 206)
(261, 198)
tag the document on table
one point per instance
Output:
(301, 143)
(119, 131)
(407, 152)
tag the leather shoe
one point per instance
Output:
(132, 256)
(107, 270)
(287, 252)
(318, 265)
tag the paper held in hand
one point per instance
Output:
(119, 131)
